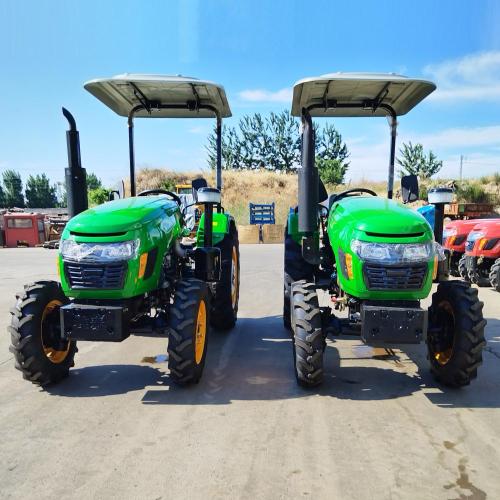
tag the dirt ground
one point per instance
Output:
(379, 428)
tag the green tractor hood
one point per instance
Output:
(380, 217)
(121, 215)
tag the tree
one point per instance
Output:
(274, 143)
(98, 196)
(254, 142)
(2, 197)
(93, 182)
(332, 171)
(13, 189)
(329, 145)
(331, 155)
(39, 193)
(284, 153)
(231, 151)
(413, 161)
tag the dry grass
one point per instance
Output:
(239, 188)
(242, 187)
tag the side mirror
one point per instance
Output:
(113, 195)
(198, 184)
(409, 188)
(118, 192)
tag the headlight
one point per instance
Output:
(99, 252)
(473, 236)
(392, 253)
(452, 231)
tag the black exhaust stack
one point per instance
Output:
(308, 192)
(76, 176)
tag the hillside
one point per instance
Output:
(242, 187)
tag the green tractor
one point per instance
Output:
(375, 258)
(124, 266)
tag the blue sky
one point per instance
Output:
(257, 50)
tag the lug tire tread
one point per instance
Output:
(308, 336)
(26, 341)
(495, 275)
(469, 340)
(181, 327)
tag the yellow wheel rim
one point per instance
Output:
(200, 332)
(234, 278)
(52, 354)
(443, 357)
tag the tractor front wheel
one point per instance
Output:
(462, 269)
(35, 330)
(455, 337)
(495, 275)
(479, 276)
(227, 291)
(308, 339)
(189, 322)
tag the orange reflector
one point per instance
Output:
(142, 264)
(451, 240)
(435, 268)
(348, 265)
(482, 242)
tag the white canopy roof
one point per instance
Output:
(121, 93)
(361, 90)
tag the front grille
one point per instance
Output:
(405, 277)
(97, 276)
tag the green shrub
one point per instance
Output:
(331, 171)
(98, 196)
(471, 192)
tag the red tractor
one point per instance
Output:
(481, 260)
(454, 238)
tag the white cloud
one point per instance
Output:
(262, 95)
(475, 77)
(197, 129)
(462, 138)
(480, 145)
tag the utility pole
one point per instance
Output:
(461, 164)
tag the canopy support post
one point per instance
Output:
(131, 153)
(219, 152)
(393, 123)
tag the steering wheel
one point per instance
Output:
(147, 192)
(350, 192)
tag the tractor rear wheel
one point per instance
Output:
(35, 330)
(455, 338)
(308, 339)
(227, 291)
(188, 324)
(462, 269)
(296, 268)
(495, 275)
